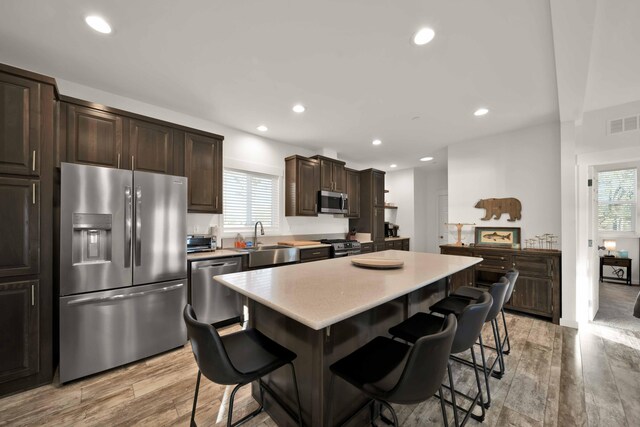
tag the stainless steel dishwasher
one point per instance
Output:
(212, 301)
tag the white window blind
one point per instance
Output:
(617, 200)
(249, 197)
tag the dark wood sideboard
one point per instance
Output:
(539, 287)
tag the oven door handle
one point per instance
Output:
(340, 254)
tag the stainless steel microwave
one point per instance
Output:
(334, 203)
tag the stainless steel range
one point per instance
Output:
(342, 247)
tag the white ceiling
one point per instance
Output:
(351, 63)
(614, 70)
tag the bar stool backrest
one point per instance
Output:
(498, 292)
(426, 366)
(512, 275)
(209, 350)
(470, 323)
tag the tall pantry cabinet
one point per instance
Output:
(27, 105)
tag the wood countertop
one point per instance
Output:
(319, 294)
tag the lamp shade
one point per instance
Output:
(610, 245)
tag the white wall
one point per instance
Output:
(431, 184)
(241, 150)
(594, 126)
(524, 164)
(401, 193)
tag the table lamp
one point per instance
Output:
(610, 245)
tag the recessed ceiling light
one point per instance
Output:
(481, 112)
(98, 23)
(424, 36)
(426, 159)
(262, 128)
(299, 108)
(376, 142)
(393, 166)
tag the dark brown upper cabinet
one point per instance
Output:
(332, 174)
(150, 147)
(302, 176)
(203, 168)
(378, 188)
(19, 126)
(371, 218)
(353, 193)
(19, 226)
(95, 137)
(19, 316)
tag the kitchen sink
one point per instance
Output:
(270, 255)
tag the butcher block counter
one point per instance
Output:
(324, 310)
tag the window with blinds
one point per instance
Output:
(249, 197)
(617, 200)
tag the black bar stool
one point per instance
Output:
(389, 371)
(470, 322)
(473, 293)
(454, 304)
(238, 358)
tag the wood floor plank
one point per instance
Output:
(571, 403)
(544, 384)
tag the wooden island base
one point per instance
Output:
(318, 349)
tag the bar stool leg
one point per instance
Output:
(393, 412)
(453, 395)
(496, 337)
(480, 400)
(443, 407)
(487, 404)
(295, 385)
(506, 333)
(195, 401)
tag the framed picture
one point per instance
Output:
(498, 236)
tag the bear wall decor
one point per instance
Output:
(496, 207)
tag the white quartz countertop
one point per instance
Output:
(319, 294)
(212, 254)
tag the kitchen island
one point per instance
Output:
(324, 310)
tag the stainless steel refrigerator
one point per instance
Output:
(123, 267)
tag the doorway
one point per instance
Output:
(613, 221)
(443, 218)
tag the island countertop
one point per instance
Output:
(319, 294)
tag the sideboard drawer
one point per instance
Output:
(500, 262)
(533, 265)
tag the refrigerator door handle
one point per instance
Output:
(124, 296)
(127, 226)
(138, 251)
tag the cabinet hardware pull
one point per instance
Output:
(118, 160)
(501, 258)
(315, 253)
(34, 192)
(33, 295)
(133, 163)
(315, 208)
(216, 202)
(33, 165)
(502, 267)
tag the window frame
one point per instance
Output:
(229, 230)
(635, 203)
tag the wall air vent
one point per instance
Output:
(626, 124)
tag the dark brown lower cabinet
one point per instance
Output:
(538, 288)
(366, 248)
(19, 333)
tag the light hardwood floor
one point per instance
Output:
(556, 376)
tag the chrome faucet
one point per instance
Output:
(255, 233)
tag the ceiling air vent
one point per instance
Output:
(616, 126)
(630, 123)
(626, 124)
